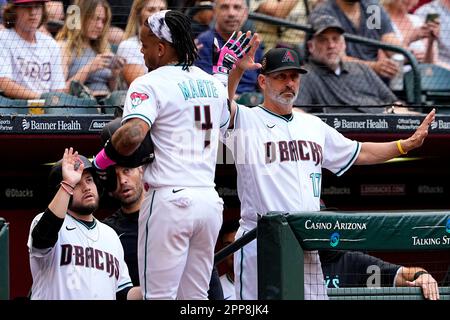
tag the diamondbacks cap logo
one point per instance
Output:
(288, 57)
(137, 98)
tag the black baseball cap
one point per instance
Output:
(279, 59)
(321, 23)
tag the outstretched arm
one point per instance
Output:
(418, 277)
(242, 65)
(378, 152)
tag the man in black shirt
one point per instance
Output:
(124, 221)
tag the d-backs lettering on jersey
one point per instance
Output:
(90, 258)
(294, 150)
(85, 263)
(279, 161)
(187, 110)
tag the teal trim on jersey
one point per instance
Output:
(242, 271)
(348, 165)
(236, 114)
(126, 284)
(137, 115)
(226, 122)
(87, 226)
(146, 240)
(277, 115)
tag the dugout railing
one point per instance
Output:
(283, 237)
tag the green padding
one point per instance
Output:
(4, 260)
(401, 293)
(420, 230)
(278, 250)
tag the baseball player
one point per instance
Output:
(184, 108)
(279, 155)
(73, 255)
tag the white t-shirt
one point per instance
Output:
(417, 22)
(130, 49)
(279, 162)
(36, 66)
(186, 111)
(85, 263)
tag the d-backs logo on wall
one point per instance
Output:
(137, 98)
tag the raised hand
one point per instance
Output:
(416, 140)
(72, 167)
(234, 49)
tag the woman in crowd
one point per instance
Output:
(87, 55)
(417, 35)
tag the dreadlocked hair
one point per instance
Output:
(183, 41)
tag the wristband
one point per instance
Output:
(67, 184)
(418, 274)
(102, 161)
(399, 147)
(65, 189)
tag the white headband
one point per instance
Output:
(157, 23)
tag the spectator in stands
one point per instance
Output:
(291, 10)
(130, 47)
(227, 235)
(201, 14)
(332, 81)
(30, 61)
(416, 34)
(442, 8)
(355, 269)
(230, 16)
(87, 55)
(365, 18)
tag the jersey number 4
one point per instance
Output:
(206, 124)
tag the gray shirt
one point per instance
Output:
(436, 6)
(356, 85)
(97, 80)
(371, 25)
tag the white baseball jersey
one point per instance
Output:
(185, 109)
(279, 163)
(85, 263)
(36, 66)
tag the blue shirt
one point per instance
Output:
(368, 27)
(248, 82)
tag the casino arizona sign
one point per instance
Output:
(337, 225)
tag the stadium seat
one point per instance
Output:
(250, 99)
(77, 105)
(435, 83)
(13, 106)
(115, 101)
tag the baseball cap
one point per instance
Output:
(279, 59)
(321, 23)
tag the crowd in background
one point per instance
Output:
(51, 45)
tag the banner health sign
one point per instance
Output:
(371, 230)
